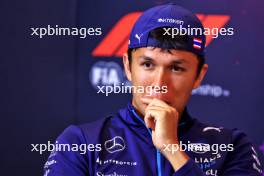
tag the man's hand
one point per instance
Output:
(163, 120)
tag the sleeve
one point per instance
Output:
(66, 158)
(189, 169)
(243, 160)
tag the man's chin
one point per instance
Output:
(142, 109)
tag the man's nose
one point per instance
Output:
(160, 78)
(159, 81)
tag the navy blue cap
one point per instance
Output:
(167, 16)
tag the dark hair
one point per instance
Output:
(179, 42)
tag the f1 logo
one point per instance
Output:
(116, 41)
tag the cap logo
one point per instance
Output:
(138, 37)
(170, 20)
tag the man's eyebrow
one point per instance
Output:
(179, 61)
(146, 58)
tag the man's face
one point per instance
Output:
(175, 69)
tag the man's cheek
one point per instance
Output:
(182, 86)
(181, 98)
(142, 106)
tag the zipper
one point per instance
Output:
(158, 155)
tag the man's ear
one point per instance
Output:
(127, 66)
(200, 77)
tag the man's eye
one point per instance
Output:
(147, 65)
(176, 68)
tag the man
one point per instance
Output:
(154, 134)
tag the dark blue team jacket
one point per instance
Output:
(121, 145)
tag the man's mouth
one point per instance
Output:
(152, 97)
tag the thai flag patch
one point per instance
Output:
(197, 43)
